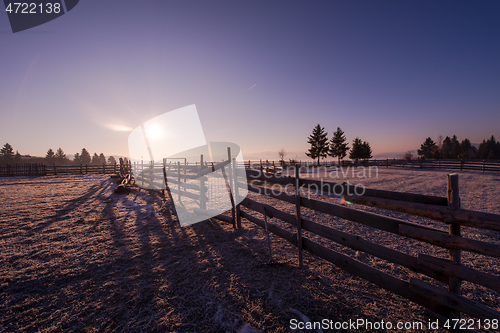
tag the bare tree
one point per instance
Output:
(408, 155)
(282, 154)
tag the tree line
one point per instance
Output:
(337, 146)
(7, 156)
(451, 148)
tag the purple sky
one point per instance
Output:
(261, 73)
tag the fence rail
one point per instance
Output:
(462, 165)
(14, 170)
(441, 303)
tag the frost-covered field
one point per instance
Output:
(74, 256)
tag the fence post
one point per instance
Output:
(86, 168)
(297, 214)
(454, 229)
(203, 204)
(483, 165)
(179, 180)
(232, 190)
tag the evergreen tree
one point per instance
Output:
(85, 157)
(102, 159)
(76, 159)
(366, 151)
(111, 160)
(7, 153)
(455, 147)
(428, 148)
(95, 159)
(319, 143)
(338, 145)
(489, 149)
(356, 152)
(446, 148)
(467, 150)
(50, 157)
(60, 156)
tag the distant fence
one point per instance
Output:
(14, 170)
(462, 165)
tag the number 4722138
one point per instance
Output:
(33, 8)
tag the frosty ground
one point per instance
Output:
(74, 256)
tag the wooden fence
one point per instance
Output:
(442, 304)
(14, 170)
(462, 165)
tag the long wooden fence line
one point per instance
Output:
(442, 304)
(462, 165)
(38, 169)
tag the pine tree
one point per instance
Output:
(366, 151)
(338, 145)
(319, 143)
(446, 148)
(95, 159)
(60, 156)
(102, 159)
(76, 159)
(428, 148)
(111, 160)
(455, 147)
(356, 152)
(50, 157)
(7, 153)
(85, 157)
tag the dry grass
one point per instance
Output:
(74, 256)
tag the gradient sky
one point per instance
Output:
(261, 73)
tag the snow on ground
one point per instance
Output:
(74, 256)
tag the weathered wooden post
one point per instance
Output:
(230, 183)
(203, 203)
(454, 229)
(179, 180)
(297, 214)
(483, 165)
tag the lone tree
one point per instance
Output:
(338, 145)
(50, 157)
(7, 153)
(319, 143)
(281, 155)
(428, 148)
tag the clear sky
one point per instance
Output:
(261, 73)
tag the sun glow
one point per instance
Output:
(154, 132)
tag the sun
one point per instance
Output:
(153, 132)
